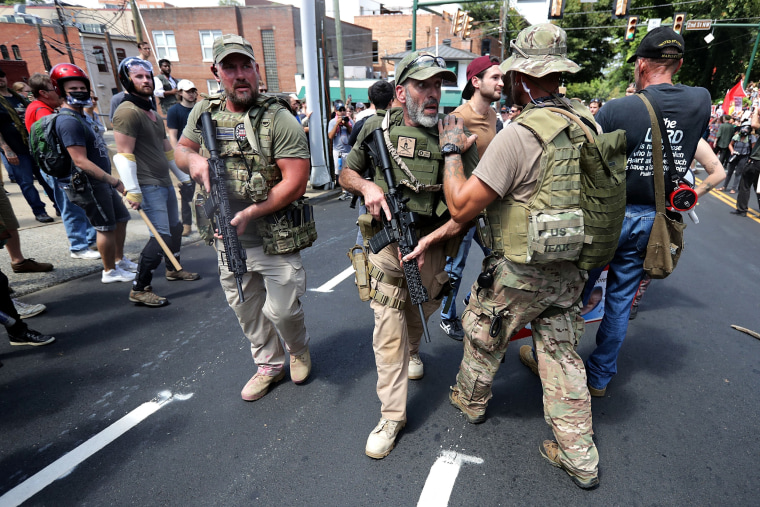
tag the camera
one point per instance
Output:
(345, 120)
(683, 197)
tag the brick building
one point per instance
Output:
(273, 30)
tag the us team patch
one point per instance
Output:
(406, 146)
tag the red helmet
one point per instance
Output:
(64, 72)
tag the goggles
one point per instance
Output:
(423, 61)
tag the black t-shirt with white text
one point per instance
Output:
(686, 114)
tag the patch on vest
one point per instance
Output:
(240, 132)
(225, 133)
(423, 154)
(406, 146)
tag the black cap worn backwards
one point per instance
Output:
(654, 43)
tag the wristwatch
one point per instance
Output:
(450, 149)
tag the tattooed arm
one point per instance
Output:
(712, 165)
(466, 198)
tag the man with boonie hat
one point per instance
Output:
(417, 159)
(260, 185)
(686, 112)
(520, 177)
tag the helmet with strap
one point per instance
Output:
(127, 65)
(65, 72)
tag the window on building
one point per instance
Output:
(4, 51)
(485, 47)
(207, 43)
(16, 52)
(270, 60)
(166, 46)
(212, 85)
(100, 58)
(408, 45)
(375, 52)
(120, 55)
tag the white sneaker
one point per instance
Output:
(25, 310)
(127, 265)
(416, 368)
(85, 254)
(116, 275)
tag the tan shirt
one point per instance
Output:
(512, 164)
(152, 166)
(482, 125)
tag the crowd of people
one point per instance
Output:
(514, 160)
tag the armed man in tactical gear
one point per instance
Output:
(417, 165)
(144, 160)
(529, 184)
(266, 159)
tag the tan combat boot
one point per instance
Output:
(300, 367)
(382, 439)
(258, 386)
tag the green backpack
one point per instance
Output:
(50, 154)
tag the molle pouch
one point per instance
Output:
(368, 227)
(289, 230)
(554, 235)
(204, 223)
(236, 178)
(358, 256)
(484, 230)
(485, 331)
(256, 188)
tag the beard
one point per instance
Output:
(242, 98)
(416, 111)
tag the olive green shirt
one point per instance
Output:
(152, 166)
(288, 141)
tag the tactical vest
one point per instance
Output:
(549, 226)
(421, 153)
(250, 168)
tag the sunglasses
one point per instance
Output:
(422, 62)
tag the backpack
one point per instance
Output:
(51, 155)
(603, 196)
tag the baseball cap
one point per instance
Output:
(185, 85)
(229, 44)
(539, 50)
(422, 65)
(360, 105)
(654, 43)
(475, 67)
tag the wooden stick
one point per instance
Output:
(745, 330)
(160, 240)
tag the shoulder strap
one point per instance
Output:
(659, 179)
(257, 112)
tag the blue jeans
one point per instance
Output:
(160, 204)
(78, 229)
(24, 175)
(455, 267)
(623, 278)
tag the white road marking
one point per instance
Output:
(441, 479)
(334, 281)
(66, 463)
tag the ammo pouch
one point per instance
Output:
(358, 256)
(205, 224)
(288, 230)
(554, 235)
(368, 226)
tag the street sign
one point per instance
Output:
(653, 23)
(698, 24)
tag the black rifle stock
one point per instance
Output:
(401, 228)
(217, 207)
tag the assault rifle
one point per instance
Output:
(401, 228)
(217, 207)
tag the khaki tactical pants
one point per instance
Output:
(272, 287)
(547, 297)
(398, 333)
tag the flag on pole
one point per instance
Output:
(737, 92)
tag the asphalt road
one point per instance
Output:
(678, 426)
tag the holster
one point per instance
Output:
(358, 256)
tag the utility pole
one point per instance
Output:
(136, 21)
(114, 68)
(65, 32)
(339, 46)
(43, 49)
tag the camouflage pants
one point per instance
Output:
(397, 333)
(547, 297)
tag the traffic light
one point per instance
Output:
(556, 9)
(459, 21)
(620, 8)
(630, 31)
(467, 27)
(678, 21)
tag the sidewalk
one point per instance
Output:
(48, 242)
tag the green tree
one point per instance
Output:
(228, 2)
(486, 15)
